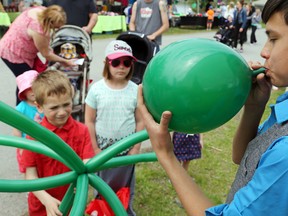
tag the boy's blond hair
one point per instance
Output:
(51, 82)
(51, 16)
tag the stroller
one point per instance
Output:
(80, 78)
(225, 35)
(143, 50)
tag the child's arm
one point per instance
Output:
(201, 140)
(16, 132)
(139, 127)
(90, 118)
(51, 204)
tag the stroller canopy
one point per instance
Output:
(143, 49)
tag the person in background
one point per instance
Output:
(230, 10)
(208, 5)
(53, 94)
(223, 11)
(23, 5)
(255, 22)
(29, 34)
(150, 17)
(75, 8)
(187, 147)
(210, 17)
(27, 107)
(239, 23)
(261, 150)
(250, 9)
(111, 113)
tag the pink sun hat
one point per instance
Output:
(117, 49)
(24, 82)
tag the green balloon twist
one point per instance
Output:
(115, 149)
(107, 193)
(37, 184)
(68, 199)
(80, 200)
(18, 120)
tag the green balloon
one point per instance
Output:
(203, 83)
(194, 5)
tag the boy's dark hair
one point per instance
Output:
(273, 6)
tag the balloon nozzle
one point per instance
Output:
(258, 71)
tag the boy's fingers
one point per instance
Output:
(165, 120)
(147, 117)
(143, 110)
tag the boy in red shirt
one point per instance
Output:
(53, 93)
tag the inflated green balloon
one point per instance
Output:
(203, 83)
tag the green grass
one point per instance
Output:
(214, 173)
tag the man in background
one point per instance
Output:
(81, 13)
(150, 17)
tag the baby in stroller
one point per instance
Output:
(73, 42)
(225, 33)
(68, 51)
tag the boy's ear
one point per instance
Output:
(39, 108)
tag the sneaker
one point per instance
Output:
(241, 50)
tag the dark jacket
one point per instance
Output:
(242, 18)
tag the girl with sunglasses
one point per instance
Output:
(111, 113)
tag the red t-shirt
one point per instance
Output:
(76, 135)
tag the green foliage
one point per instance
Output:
(214, 173)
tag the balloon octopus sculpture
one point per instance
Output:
(80, 176)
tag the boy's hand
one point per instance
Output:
(261, 88)
(52, 206)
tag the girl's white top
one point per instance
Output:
(115, 112)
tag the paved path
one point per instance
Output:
(15, 203)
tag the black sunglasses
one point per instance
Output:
(116, 62)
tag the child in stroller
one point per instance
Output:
(68, 51)
(225, 33)
(73, 42)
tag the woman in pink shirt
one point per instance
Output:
(30, 34)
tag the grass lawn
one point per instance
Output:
(214, 173)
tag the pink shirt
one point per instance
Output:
(16, 45)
